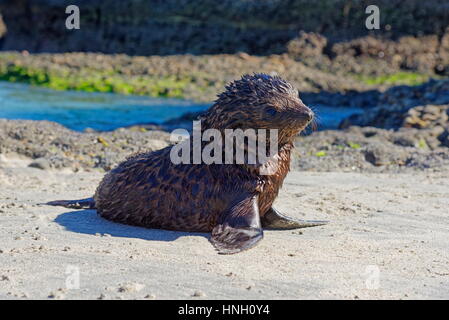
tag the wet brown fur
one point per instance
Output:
(149, 190)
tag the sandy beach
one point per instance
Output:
(387, 239)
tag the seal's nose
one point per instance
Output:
(309, 114)
(306, 113)
(301, 113)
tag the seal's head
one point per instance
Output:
(260, 101)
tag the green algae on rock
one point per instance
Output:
(197, 78)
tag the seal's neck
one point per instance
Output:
(276, 167)
(270, 182)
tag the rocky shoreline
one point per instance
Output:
(198, 78)
(48, 145)
(403, 127)
(407, 129)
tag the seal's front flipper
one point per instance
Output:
(239, 228)
(273, 219)
(88, 203)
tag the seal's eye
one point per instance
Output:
(272, 111)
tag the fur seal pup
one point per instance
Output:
(233, 201)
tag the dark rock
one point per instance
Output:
(380, 154)
(40, 163)
(444, 138)
(407, 106)
(306, 45)
(427, 116)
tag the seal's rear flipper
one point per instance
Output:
(273, 219)
(88, 203)
(239, 228)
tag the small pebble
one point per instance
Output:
(131, 287)
(199, 293)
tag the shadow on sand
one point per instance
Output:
(88, 222)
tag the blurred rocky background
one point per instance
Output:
(191, 49)
(261, 27)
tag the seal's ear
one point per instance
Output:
(238, 228)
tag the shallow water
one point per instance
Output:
(107, 111)
(80, 110)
